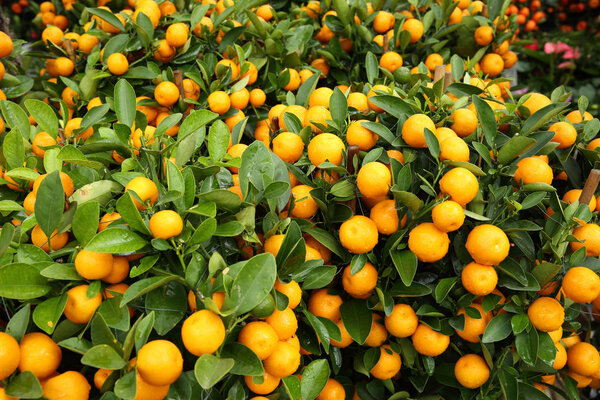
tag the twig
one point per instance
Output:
(591, 184)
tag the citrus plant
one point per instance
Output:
(244, 200)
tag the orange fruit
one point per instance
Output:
(333, 390)
(385, 216)
(583, 359)
(402, 321)
(219, 102)
(166, 93)
(484, 35)
(546, 314)
(492, 64)
(10, 355)
(428, 243)
(471, 371)
(70, 385)
(433, 60)
(574, 194)
(260, 337)
(391, 61)
(146, 391)
(177, 34)
(581, 284)
(42, 139)
(588, 236)
(283, 361)
(159, 362)
(120, 270)
(316, 115)
(50, 34)
(57, 240)
(535, 102)
(80, 308)
(564, 134)
(323, 304)
(165, 224)
(358, 234)
(346, 338)
(474, 327)
(257, 97)
(224, 65)
(362, 283)
(108, 219)
(487, 244)
(320, 97)
(388, 365)
(532, 170)
(304, 205)
(374, 179)
(75, 123)
(479, 279)
(117, 64)
(283, 322)
(429, 342)
(560, 360)
(415, 28)
(360, 136)
(413, 130)
(203, 332)
(268, 385)
(291, 290)
(288, 146)
(575, 117)
(294, 80)
(454, 149)
(67, 183)
(464, 122)
(448, 216)
(92, 265)
(460, 184)
(145, 189)
(383, 22)
(39, 355)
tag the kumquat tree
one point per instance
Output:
(336, 199)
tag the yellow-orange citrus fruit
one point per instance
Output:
(546, 314)
(359, 234)
(428, 242)
(203, 332)
(471, 371)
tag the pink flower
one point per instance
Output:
(572, 53)
(549, 48)
(562, 47)
(566, 65)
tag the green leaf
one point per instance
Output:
(43, 115)
(381, 130)
(252, 284)
(108, 17)
(47, 313)
(130, 214)
(170, 304)
(392, 104)
(24, 386)
(6, 236)
(527, 346)
(22, 282)
(443, 288)
(486, 117)
(85, 221)
(145, 286)
(541, 116)
(209, 369)
(101, 191)
(204, 231)
(338, 106)
(116, 240)
(406, 264)
(306, 89)
(125, 101)
(125, 387)
(515, 146)
(167, 123)
(357, 319)
(372, 67)
(13, 149)
(194, 123)
(246, 361)
(409, 199)
(433, 145)
(218, 140)
(292, 386)
(103, 356)
(16, 118)
(9, 205)
(498, 328)
(314, 379)
(17, 326)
